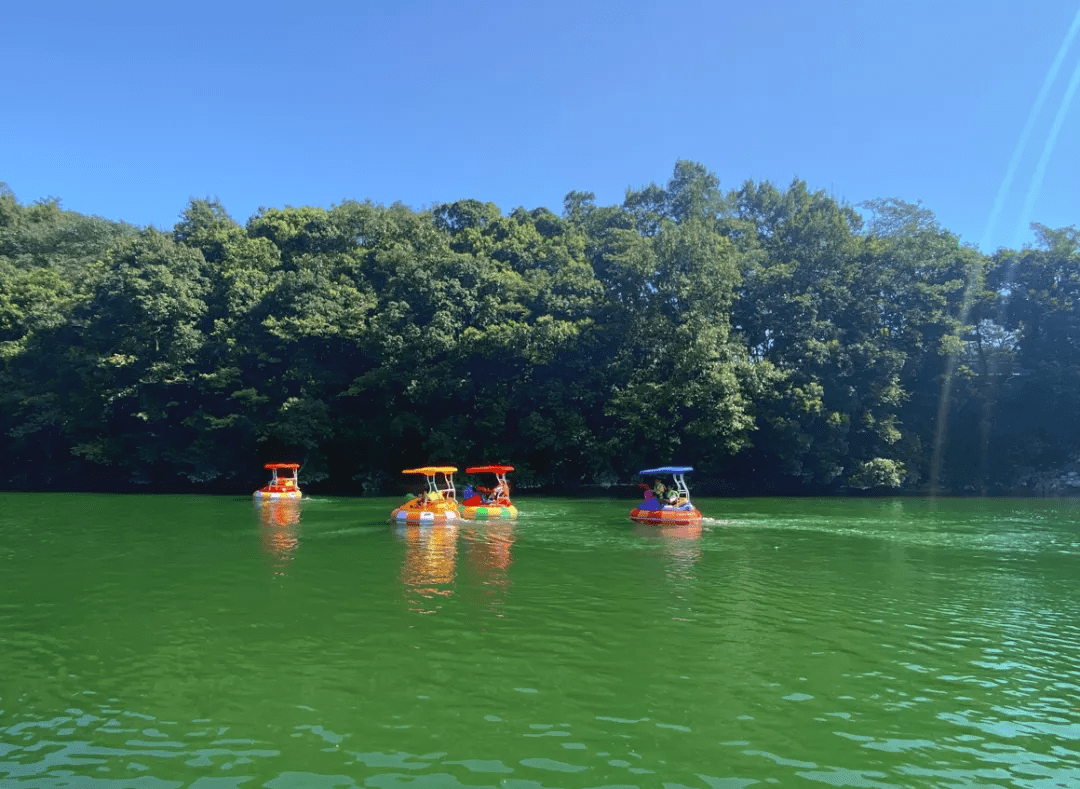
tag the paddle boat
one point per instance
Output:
(666, 505)
(438, 504)
(489, 502)
(282, 482)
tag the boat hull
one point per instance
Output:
(424, 515)
(666, 517)
(267, 493)
(490, 512)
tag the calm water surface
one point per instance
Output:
(209, 642)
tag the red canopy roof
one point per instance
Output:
(491, 469)
(282, 465)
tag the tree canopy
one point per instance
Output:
(774, 337)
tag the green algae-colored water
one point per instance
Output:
(210, 642)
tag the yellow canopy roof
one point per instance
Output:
(428, 471)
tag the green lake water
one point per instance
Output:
(211, 642)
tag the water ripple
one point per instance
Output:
(844, 643)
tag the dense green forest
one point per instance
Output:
(778, 340)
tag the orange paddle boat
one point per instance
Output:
(663, 505)
(438, 504)
(489, 502)
(282, 482)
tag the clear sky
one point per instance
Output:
(129, 109)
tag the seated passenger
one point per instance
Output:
(651, 503)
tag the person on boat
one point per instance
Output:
(672, 497)
(493, 495)
(658, 489)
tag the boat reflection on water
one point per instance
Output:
(430, 557)
(681, 544)
(279, 532)
(488, 554)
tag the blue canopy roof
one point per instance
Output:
(667, 470)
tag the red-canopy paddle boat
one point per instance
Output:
(489, 502)
(663, 505)
(438, 504)
(282, 482)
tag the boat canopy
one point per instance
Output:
(488, 469)
(281, 465)
(447, 488)
(666, 470)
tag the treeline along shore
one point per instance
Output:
(776, 339)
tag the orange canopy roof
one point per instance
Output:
(488, 469)
(428, 471)
(282, 465)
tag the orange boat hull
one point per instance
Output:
(432, 512)
(270, 492)
(666, 517)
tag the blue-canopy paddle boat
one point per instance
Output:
(666, 505)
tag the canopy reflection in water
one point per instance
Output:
(488, 552)
(279, 531)
(430, 557)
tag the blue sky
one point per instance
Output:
(128, 110)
